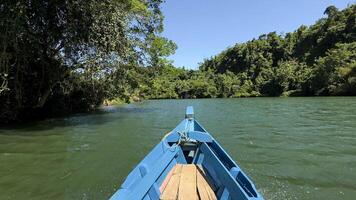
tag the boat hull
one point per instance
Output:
(188, 143)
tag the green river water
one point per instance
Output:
(292, 148)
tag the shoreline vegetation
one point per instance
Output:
(119, 101)
(63, 58)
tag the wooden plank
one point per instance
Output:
(211, 193)
(205, 191)
(208, 182)
(171, 190)
(207, 179)
(166, 180)
(188, 183)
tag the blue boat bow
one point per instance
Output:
(188, 143)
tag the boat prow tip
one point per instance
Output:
(189, 112)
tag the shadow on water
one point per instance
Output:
(102, 115)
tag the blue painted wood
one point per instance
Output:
(189, 113)
(135, 175)
(180, 158)
(166, 171)
(198, 158)
(139, 190)
(222, 174)
(229, 163)
(200, 136)
(143, 169)
(173, 137)
(154, 192)
(226, 195)
(198, 127)
(195, 135)
(226, 178)
(147, 181)
(234, 171)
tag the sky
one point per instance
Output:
(203, 28)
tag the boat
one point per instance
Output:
(188, 163)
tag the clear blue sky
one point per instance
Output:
(203, 28)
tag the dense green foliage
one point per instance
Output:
(68, 55)
(315, 60)
(65, 56)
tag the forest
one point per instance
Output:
(319, 60)
(60, 57)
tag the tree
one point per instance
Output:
(159, 48)
(67, 49)
(292, 64)
(331, 11)
(335, 73)
(227, 84)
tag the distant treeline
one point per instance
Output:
(59, 57)
(315, 60)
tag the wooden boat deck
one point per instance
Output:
(186, 182)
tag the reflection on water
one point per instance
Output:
(292, 148)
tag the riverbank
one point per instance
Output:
(38, 116)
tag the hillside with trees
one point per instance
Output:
(69, 56)
(315, 60)
(319, 60)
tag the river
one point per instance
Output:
(292, 148)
